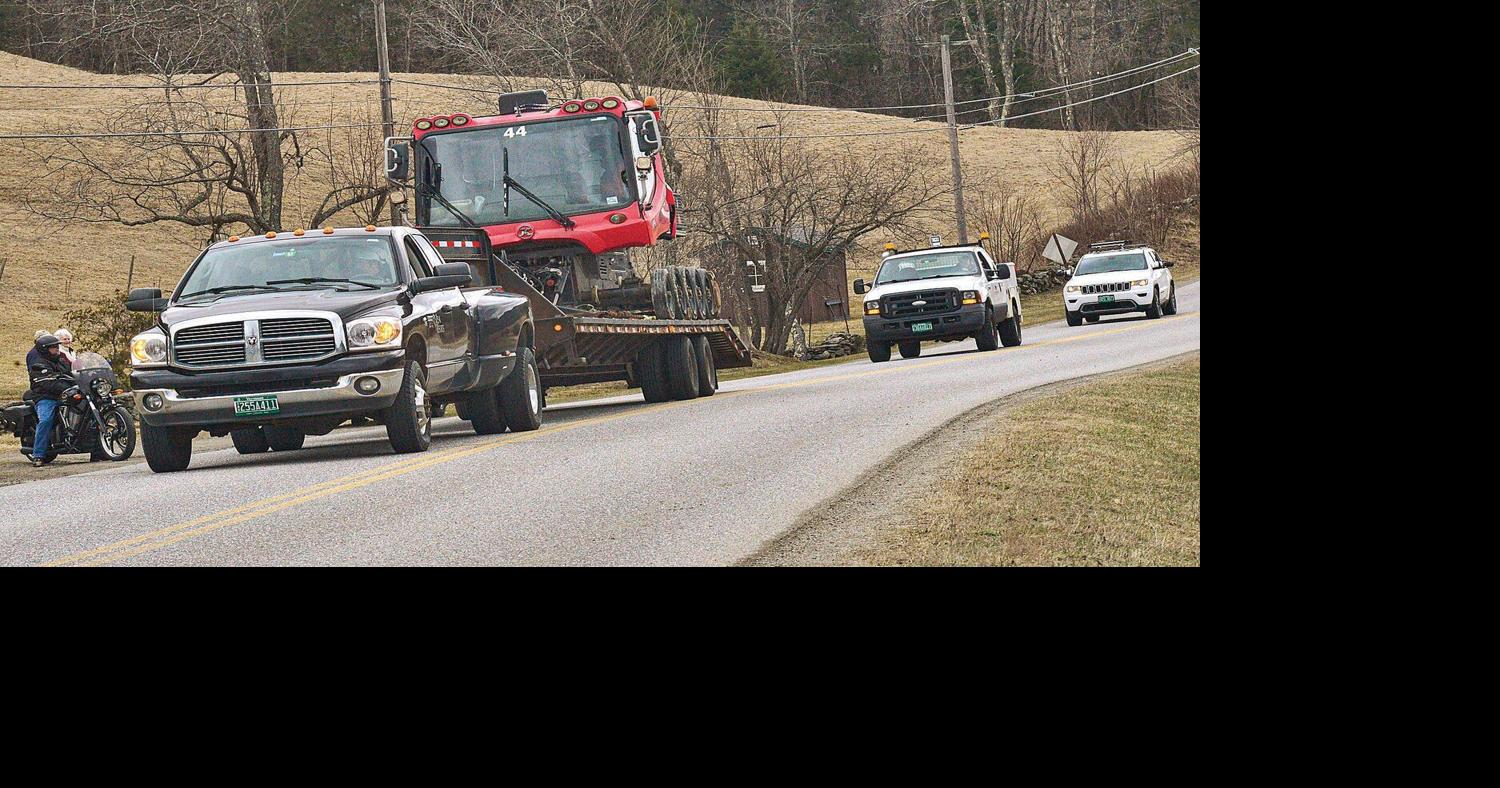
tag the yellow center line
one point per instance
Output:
(162, 537)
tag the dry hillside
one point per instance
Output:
(50, 268)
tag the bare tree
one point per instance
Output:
(1012, 217)
(1078, 168)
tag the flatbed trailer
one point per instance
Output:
(574, 347)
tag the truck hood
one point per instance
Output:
(345, 304)
(955, 282)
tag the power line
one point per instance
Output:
(1085, 101)
(209, 132)
(207, 86)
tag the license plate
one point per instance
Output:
(917, 328)
(256, 406)
(1106, 299)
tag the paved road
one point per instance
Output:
(609, 482)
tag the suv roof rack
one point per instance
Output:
(1109, 246)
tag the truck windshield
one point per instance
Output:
(574, 165)
(927, 266)
(340, 262)
(1110, 262)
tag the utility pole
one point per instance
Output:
(387, 116)
(958, 175)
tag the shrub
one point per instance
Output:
(105, 327)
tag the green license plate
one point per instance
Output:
(1104, 299)
(917, 328)
(256, 406)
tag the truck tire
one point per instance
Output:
(407, 423)
(521, 394)
(483, 409)
(680, 366)
(986, 338)
(1010, 330)
(1170, 308)
(687, 285)
(879, 351)
(250, 440)
(706, 286)
(285, 438)
(649, 371)
(1154, 310)
(708, 374)
(661, 295)
(911, 348)
(1074, 318)
(168, 449)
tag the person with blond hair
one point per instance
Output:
(66, 338)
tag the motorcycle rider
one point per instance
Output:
(51, 375)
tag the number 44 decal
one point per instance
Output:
(516, 131)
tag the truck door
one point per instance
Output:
(994, 288)
(444, 315)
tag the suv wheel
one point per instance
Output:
(1074, 318)
(1171, 306)
(1154, 310)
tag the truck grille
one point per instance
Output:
(903, 304)
(249, 342)
(1113, 287)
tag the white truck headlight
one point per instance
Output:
(148, 348)
(1073, 289)
(374, 333)
(970, 296)
(872, 307)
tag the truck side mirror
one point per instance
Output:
(397, 159)
(859, 287)
(647, 136)
(444, 275)
(1165, 264)
(145, 299)
(1002, 271)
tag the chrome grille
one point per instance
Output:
(904, 304)
(296, 338)
(1112, 287)
(247, 342)
(211, 345)
(219, 332)
(211, 356)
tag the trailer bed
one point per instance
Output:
(604, 349)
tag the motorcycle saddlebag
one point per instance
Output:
(12, 416)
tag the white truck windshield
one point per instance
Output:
(927, 266)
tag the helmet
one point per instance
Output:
(47, 340)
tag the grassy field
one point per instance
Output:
(1106, 474)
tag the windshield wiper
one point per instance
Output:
(227, 289)
(512, 183)
(436, 193)
(308, 280)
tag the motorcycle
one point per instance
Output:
(89, 418)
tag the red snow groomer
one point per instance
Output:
(561, 192)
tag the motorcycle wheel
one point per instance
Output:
(117, 439)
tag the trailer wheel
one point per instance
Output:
(911, 348)
(285, 438)
(482, 408)
(407, 424)
(651, 374)
(681, 367)
(250, 440)
(167, 449)
(708, 374)
(521, 394)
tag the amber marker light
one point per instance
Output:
(369, 228)
(328, 231)
(271, 234)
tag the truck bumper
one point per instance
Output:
(1124, 303)
(207, 399)
(961, 323)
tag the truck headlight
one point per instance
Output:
(374, 333)
(1072, 289)
(1139, 283)
(148, 348)
(872, 307)
(971, 296)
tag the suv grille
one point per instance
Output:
(273, 340)
(1112, 287)
(903, 304)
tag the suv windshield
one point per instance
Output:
(927, 266)
(1104, 264)
(341, 262)
(574, 165)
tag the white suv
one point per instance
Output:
(945, 293)
(1115, 278)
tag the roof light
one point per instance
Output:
(649, 102)
(440, 122)
(610, 103)
(271, 234)
(424, 124)
(328, 231)
(557, 326)
(233, 238)
(984, 237)
(591, 105)
(369, 228)
(297, 232)
(572, 106)
(461, 120)
(890, 247)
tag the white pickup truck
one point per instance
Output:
(1115, 278)
(943, 293)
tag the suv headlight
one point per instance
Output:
(872, 307)
(1072, 289)
(1139, 283)
(374, 333)
(148, 348)
(970, 296)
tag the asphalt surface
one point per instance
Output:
(604, 482)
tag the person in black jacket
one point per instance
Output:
(51, 375)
